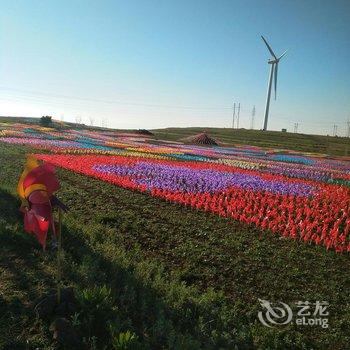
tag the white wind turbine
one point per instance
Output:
(273, 74)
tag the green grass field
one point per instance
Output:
(177, 278)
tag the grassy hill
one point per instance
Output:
(339, 146)
(336, 146)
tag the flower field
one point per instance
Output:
(293, 195)
(188, 238)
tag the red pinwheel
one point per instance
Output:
(36, 189)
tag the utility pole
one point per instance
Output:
(77, 120)
(104, 122)
(335, 129)
(239, 109)
(296, 125)
(91, 121)
(253, 117)
(233, 115)
(348, 127)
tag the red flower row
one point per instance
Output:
(323, 219)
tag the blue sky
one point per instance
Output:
(148, 64)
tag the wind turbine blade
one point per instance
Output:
(282, 54)
(275, 74)
(269, 48)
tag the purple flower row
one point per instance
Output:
(190, 180)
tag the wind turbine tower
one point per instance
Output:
(273, 76)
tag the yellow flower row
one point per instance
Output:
(239, 163)
(106, 152)
(10, 133)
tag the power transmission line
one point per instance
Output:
(335, 129)
(111, 101)
(104, 122)
(233, 115)
(253, 117)
(296, 125)
(44, 98)
(239, 109)
(78, 119)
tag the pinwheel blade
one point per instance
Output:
(269, 48)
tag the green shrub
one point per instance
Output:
(125, 341)
(46, 120)
(96, 310)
